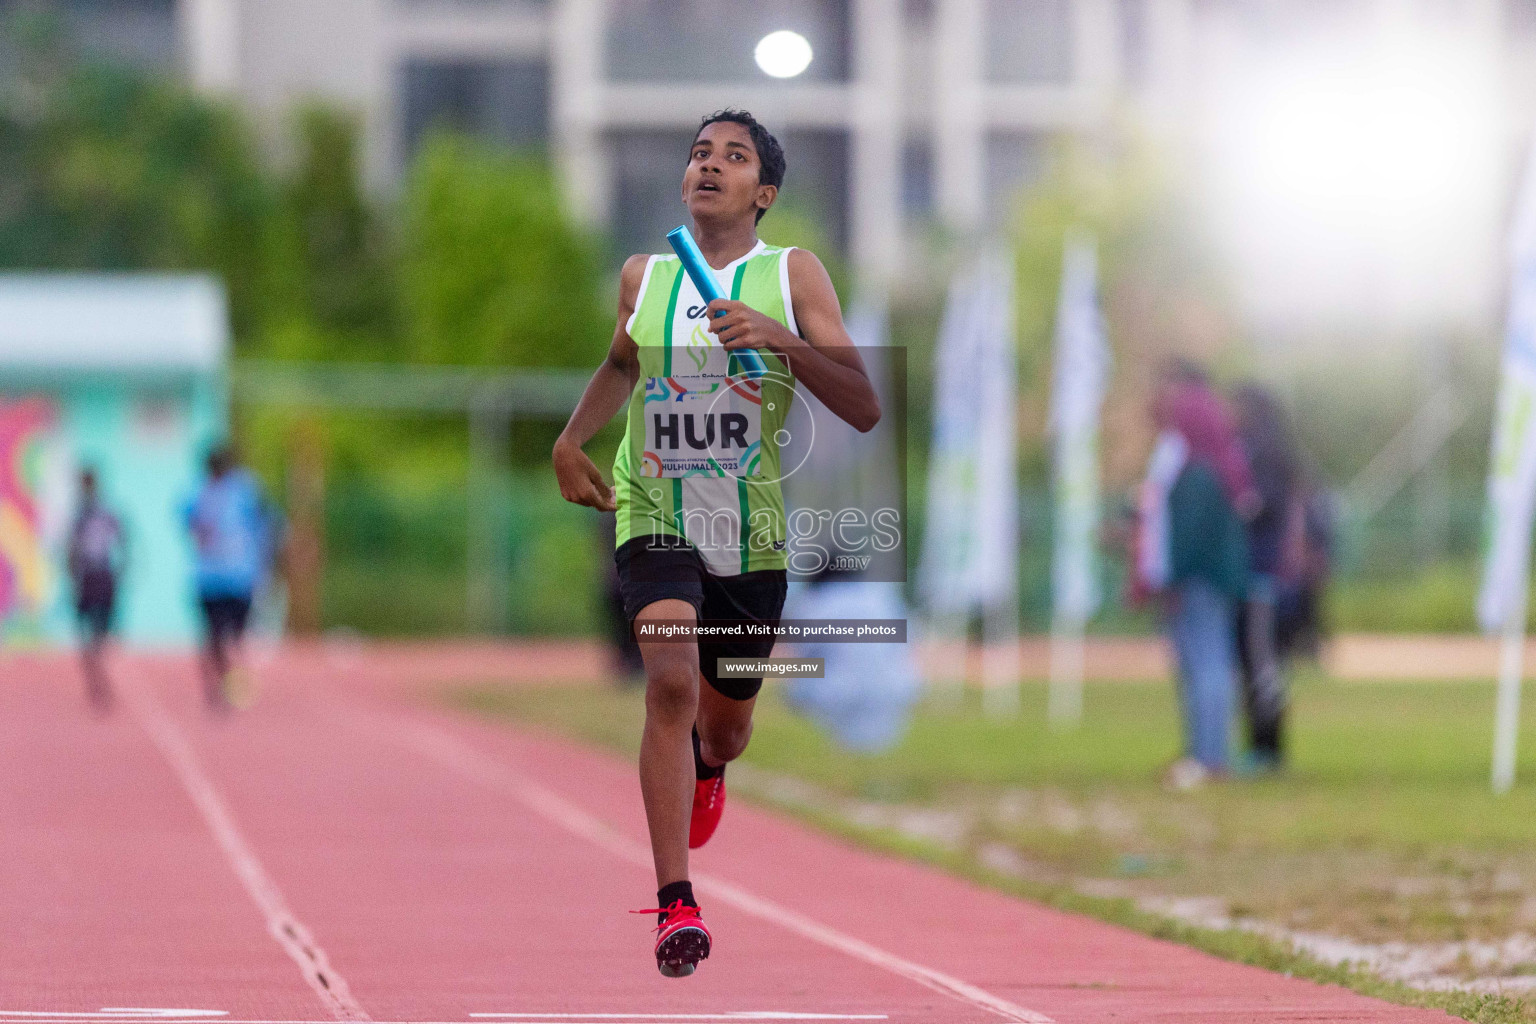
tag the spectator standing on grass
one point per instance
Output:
(98, 553)
(1275, 541)
(1191, 551)
(1301, 622)
(234, 535)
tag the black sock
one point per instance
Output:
(670, 893)
(700, 769)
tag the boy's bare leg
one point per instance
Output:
(666, 750)
(725, 725)
(92, 657)
(215, 669)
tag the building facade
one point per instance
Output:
(913, 113)
(910, 113)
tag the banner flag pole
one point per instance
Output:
(1502, 601)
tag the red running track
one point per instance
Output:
(348, 851)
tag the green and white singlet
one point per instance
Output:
(700, 458)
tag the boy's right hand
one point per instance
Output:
(581, 481)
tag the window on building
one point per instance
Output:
(919, 13)
(1014, 160)
(496, 100)
(648, 178)
(713, 40)
(1522, 17)
(137, 32)
(917, 177)
(1029, 41)
(1135, 53)
(816, 183)
(647, 187)
(449, 5)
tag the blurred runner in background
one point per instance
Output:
(98, 554)
(623, 651)
(1275, 538)
(234, 533)
(866, 696)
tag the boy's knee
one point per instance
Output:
(672, 691)
(725, 741)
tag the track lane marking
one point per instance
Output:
(62, 1017)
(282, 925)
(460, 756)
(117, 1013)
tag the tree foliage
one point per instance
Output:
(112, 168)
(492, 272)
(331, 261)
(105, 168)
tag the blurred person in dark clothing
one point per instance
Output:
(98, 553)
(624, 652)
(1274, 562)
(1191, 551)
(1300, 623)
(1186, 403)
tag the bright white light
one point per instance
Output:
(1359, 176)
(783, 54)
(1360, 143)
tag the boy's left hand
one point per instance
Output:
(744, 327)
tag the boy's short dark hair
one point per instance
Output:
(770, 155)
(221, 459)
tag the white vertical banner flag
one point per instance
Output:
(970, 554)
(1501, 605)
(1077, 395)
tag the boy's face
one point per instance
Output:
(721, 182)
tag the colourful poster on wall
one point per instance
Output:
(26, 571)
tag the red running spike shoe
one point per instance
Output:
(708, 805)
(681, 940)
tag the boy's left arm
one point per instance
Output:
(824, 358)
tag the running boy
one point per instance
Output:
(701, 528)
(234, 534)
(98, 552)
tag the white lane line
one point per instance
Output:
(126, 1016)
(39, 1017)
(117, 1013)
(289, 932)
(465, 759)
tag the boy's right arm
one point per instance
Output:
(580, 480)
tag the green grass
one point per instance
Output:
(1439, 598)
(1383, 829)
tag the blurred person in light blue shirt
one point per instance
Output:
(865, 700)
(235, 534)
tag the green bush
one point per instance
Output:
(492, 273)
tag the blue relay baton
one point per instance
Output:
(704, 280)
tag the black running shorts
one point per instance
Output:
(651, 571)
(95, 600)
(225, 616)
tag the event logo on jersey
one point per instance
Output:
(702, 426)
